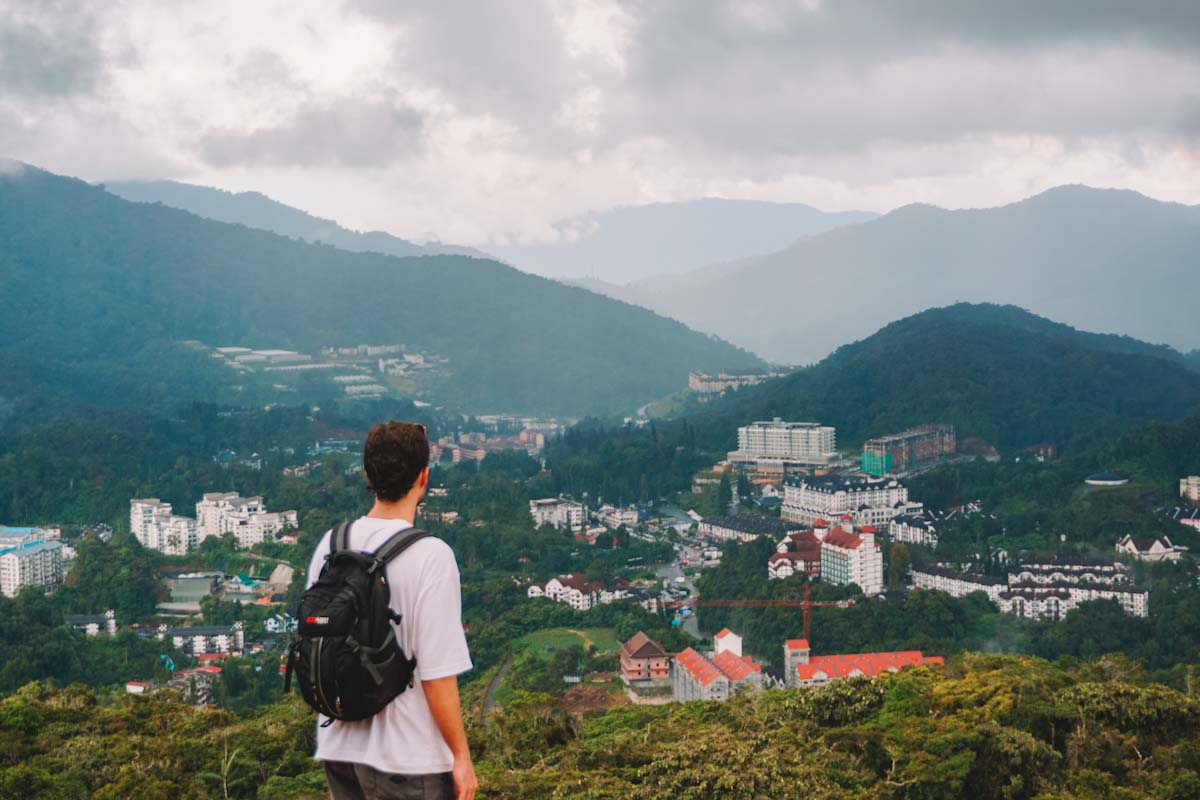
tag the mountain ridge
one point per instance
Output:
(101, 280)
(639, 242)
(254, 209)
(1100, 259)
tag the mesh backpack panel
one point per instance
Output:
(345, 656)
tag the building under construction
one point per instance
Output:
(906, 452)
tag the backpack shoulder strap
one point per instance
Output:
(339, 540)
(396, 544)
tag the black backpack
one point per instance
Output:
(345, 656)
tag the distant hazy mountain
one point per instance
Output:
(96, 289)
(1097, 259)
(633, 243)
(997, 372)
(255, 210)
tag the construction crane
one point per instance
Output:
(805, 604)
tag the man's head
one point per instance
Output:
(396, 460)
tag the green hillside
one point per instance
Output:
(99, 287)
(995, 372)
(986, 727)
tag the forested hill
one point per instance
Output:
(256, 210)
(996, 372)
(96, 285)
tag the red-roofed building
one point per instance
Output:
(694, 677)
(645, 670)
(819, 670)
(796, 553)
(853, 557)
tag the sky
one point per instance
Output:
(485, 122)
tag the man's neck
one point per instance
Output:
(404, 509)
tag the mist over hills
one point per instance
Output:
(1105, 260)
(256, 210)
(997, 372)
(99, 288)
(634, 243)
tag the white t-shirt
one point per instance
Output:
(403, 738)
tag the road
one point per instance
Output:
(671, 572)
(489, 697)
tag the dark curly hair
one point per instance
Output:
(393, 457)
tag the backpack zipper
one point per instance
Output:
(317, 678)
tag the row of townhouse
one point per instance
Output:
(840, 555)
(156, 526)
(198, 641)
(1043, 590)
(744, 527)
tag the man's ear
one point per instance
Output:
(423, 478)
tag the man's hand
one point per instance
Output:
(465, 783)
(442, 696)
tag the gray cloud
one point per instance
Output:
(346, 131)
(48, 49)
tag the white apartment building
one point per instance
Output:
(156, 528)
(866, 501)
(852, 557)
(557, 512)
(27, 559)
(217, 514)
(145, 514)
(1046, 590)
(614, 517)
(781, 443)
(1189, 488)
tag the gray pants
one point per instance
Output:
(359, 782)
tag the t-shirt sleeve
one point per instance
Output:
(317, 562)
(440, 645)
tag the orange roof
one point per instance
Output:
(867, 664)
(796, 644)
(721, 634)
(733, 667)
(698, 666)
(840, 537)
(820, 524)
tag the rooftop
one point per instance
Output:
(866, 664)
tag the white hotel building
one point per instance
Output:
(784, 443)
(866, 501)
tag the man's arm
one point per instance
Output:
(442, 696)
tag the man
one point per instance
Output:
(417, 746)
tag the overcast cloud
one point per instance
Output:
(482, 122)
